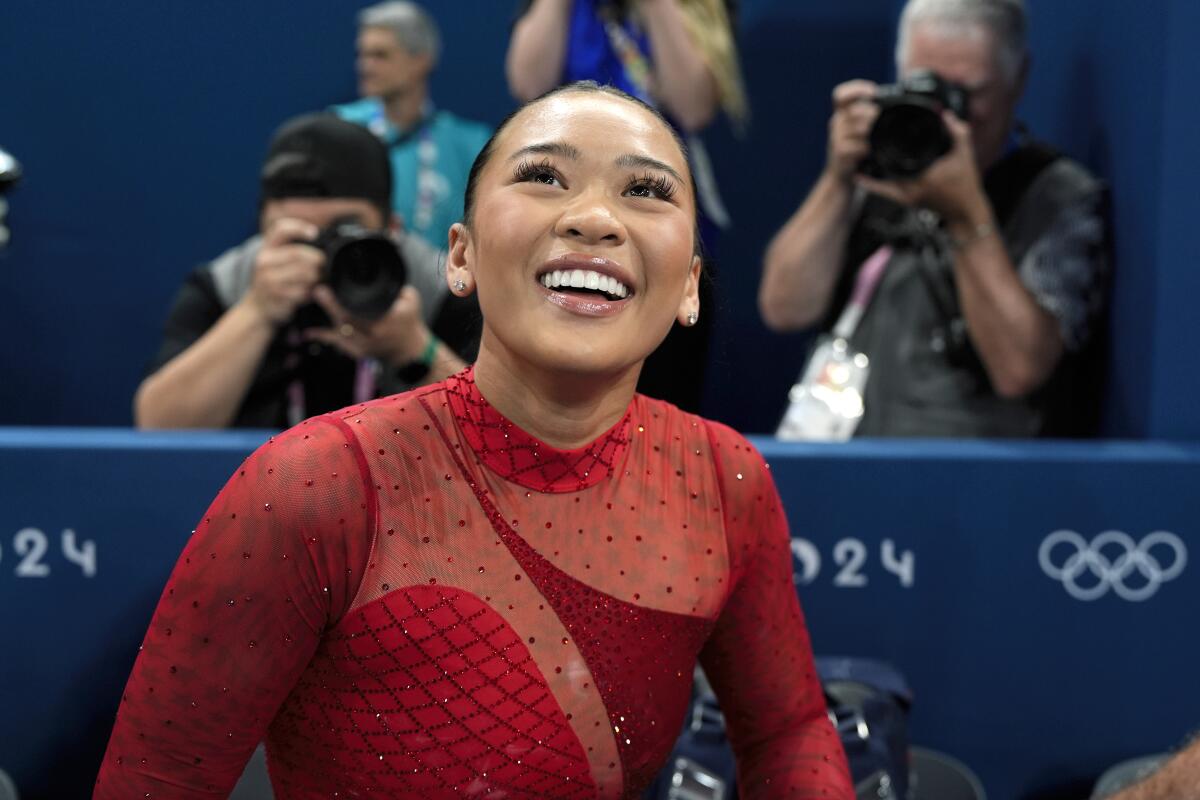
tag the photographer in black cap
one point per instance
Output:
(328, 305)
(957, 268)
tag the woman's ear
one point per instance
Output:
(459, 261)
(689, 306)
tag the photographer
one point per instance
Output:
(261, 336)
(986, 252)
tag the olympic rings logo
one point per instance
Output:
(1111, 560)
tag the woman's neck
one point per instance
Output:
(564, 410)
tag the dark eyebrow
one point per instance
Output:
(548, 148)
(631, 160)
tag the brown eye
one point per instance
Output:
(653, 187)
(542, 172)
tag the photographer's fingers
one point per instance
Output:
(407, 304)
(903, 192)
(287, 230)
(343, 337)
(849, 132)
(960, 130)
(338, 315)
(851, 92)
(283, 278)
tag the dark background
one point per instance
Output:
(141, 126)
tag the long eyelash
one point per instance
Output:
(527, 170)
(659, 183)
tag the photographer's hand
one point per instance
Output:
(285, 271)
(854, 113)
(398, 338)
(951, 186)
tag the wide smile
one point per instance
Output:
(586, 281)
(586, 285)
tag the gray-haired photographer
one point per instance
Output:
(956, 267)
(328, 305)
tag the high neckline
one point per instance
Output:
(515, 455)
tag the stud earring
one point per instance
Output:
(692, 317)
(460, 286)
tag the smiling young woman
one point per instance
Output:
(499, 585)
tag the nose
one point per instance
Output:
(590, 219)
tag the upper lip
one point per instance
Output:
(598, 264)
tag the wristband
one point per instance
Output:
(981, 231)
(416, 371)
(430, 351)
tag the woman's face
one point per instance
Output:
(582, 240)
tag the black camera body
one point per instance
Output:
(364, 267)
(909, 135)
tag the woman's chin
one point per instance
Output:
(575, 360)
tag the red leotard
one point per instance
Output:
(414, 597)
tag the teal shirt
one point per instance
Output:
(437, 152)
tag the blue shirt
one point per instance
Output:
(430, 164)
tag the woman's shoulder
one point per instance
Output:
(339, 435)
(673, 416)
(408, 410)
(734, 456)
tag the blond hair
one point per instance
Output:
(709, 24)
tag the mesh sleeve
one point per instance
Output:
(759, 659)
(275, 561)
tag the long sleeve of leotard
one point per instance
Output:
(276, 559)
(759, 658)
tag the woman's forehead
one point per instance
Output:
(593, 122)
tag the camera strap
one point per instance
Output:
(826, 403)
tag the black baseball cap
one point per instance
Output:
(322, 155)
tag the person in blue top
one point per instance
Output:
(431, 149)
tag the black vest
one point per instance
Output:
(926, 378)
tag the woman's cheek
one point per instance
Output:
(511, 218)
(667, 246)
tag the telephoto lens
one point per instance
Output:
(365, 268)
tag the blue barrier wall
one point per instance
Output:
(141, 129)
(928, 557)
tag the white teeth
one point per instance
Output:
(584, 279)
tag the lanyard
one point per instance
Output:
(429, 181)
(427, 178)
(365, 374)
(865, 284)
(637, 66)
